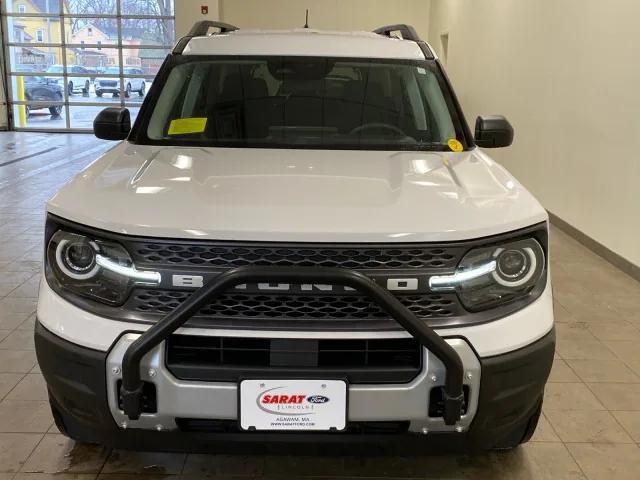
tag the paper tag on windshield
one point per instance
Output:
(185, 126)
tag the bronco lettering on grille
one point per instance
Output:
(394, 284)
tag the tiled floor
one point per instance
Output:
(590, 427)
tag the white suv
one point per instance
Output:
(300, 238)
(131, 83)
(78, 79)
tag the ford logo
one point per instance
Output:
(317, 399)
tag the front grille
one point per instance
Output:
(108, 83)
(228, 359)
(295, 309)
(221, 255)
(291, 306)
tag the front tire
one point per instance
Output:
(85, 90)
(70, 88)
(127, 92)
(142, 90)
(55, 111)
(99, 93)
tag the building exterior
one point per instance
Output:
(39, 30)
(107, 56)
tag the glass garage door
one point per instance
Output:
(69, 59)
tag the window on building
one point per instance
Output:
(99, 34)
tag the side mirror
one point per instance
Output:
(112, 123)
(493, 131)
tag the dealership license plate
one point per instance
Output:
(318, 405)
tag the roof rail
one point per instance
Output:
(202, 28)
(407, 31)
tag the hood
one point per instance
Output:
(297, 195)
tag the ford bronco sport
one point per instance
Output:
(299, 238)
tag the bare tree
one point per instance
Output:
(148, 30)
(152, 31)
(90, 7)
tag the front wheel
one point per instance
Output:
(127, 92)
(70, 88)
(85, 90)
(99, 93)
(55, 111)
(142, 90)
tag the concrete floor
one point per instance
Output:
(590, 427)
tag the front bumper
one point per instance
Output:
(81, 383)
(101, 89)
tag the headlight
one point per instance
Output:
(76, 256)
(492, 276)
(93, 268)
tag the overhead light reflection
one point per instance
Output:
(421, 166)
(149, 190)
(183, 162)
(198, 233)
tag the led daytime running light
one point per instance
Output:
(444, 283)
(139, 276)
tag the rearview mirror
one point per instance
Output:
(493, 131)
(112, 123)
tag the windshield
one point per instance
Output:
(112, 70)
(54, 69)
(302, 102)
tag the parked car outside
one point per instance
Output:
(130, 84)
(78, 80)
(38, 89)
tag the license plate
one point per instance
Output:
(314, 405)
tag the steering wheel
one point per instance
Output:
(369, 126)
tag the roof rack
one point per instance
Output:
(407, 31)
(200, 29)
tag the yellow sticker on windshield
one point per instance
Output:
(455, 145)
(185, 126)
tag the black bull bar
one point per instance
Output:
(132, 384)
